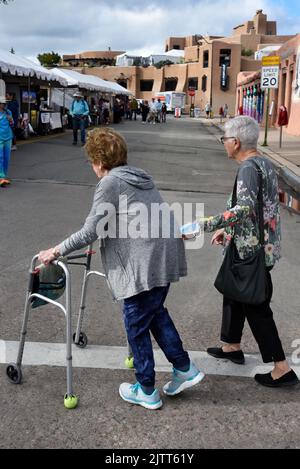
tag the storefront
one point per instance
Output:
(250, 96)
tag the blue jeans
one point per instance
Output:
(5, 147)
(79, 124)
(143, 313)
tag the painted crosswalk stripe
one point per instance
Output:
(111, 357)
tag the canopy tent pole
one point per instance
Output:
(50, 96)
(29, 78)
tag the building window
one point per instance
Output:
(205, 58)
(225, 57)
(171, 84)
(122, 83)
(176, 46)
(146, 85)
(193, 83)
(204, 83)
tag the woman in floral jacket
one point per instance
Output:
(240, 224)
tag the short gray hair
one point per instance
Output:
(246, 129)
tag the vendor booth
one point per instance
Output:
(99, 93)
(31, 84)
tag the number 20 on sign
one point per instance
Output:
(269, 77)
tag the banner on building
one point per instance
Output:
(224, 85)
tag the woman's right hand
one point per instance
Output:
(218, 237)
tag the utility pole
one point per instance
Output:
(265, 143)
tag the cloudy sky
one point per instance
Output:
(69, 26)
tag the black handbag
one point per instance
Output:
(245, 280)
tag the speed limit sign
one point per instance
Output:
(269, 77)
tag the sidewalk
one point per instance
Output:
(286, 159)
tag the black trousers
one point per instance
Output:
(261, 322)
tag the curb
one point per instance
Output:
(290, 178)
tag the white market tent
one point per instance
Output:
(24, 67)
(89, 82)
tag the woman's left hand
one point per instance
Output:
(47, 256)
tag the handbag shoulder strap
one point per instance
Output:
(260, 202)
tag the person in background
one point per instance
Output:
(14, 108)
(152, 113)
(207, 109)
(105, 112)
(139, 270)
(134, 108)
(6, 135)
(128, 110)
(225, 110)
(221, 114)
(79, 112)
(164, 113)
(145, 111)
(158, 111)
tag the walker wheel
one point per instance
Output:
(14, 373)
(70, 401)
(83, 340)
(129, 363)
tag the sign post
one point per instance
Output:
(191, 93)
(269, 79)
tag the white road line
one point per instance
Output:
(112, 358)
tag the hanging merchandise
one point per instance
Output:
(251, 102)
(255, 102)
(248, 101)
(244, 101)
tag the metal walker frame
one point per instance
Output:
(79, 338)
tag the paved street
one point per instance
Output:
(48, 200)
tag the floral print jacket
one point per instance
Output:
(241, 221)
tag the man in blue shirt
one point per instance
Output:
(6, 122)
(79, 112)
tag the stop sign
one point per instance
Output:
(192, 92)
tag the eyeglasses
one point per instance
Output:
(223, 139)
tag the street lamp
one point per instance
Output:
(202, 38)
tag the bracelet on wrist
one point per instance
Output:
(55, 253)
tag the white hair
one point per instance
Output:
(246, 129)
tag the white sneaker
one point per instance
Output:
(14, 148)
(183, 380)
(134, 394)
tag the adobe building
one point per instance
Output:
(251, 99)
(91, 58)
(288, 92)
(211, 65)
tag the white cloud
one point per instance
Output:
(68, 26)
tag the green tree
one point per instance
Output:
(247, 52)
(49, 59)
(163, 63)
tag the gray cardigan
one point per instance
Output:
(132, 264)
